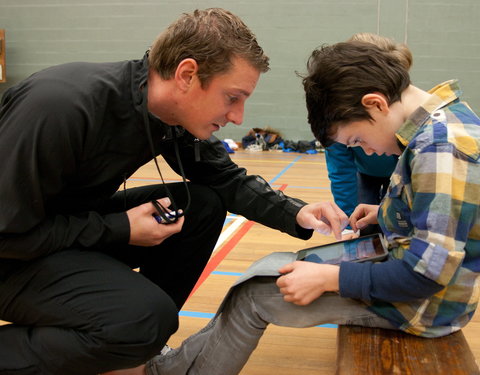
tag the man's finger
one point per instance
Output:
(333, 219)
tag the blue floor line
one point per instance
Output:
(196, 314)
(285, 169)
(224, 273)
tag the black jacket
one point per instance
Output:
(71, 134)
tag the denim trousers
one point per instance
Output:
(225, 344)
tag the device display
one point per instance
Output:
(169, 215)
(361, 249)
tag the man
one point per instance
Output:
(69, 137)
(359, 95)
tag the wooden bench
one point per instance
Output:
(375, 351)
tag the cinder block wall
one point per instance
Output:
(443, 35)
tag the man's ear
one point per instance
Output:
(375, 102)
(186, 71)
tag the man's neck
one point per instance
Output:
(160, 100)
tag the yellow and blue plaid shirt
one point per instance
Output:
(431, 213)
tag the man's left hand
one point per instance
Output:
(324, 217)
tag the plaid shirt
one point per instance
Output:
(431, 214)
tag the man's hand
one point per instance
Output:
(303, 282)
(363, 215)
(145, 230)
(325, 217)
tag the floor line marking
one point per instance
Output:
(223, 252)
(204, 315)
(285, 169)
(227, 273)
(236, 222)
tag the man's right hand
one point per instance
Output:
(145, 230)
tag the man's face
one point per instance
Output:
(206, 110)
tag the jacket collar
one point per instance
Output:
(159, 129)
(139, 79)
(441, 96)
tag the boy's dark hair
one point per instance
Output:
(213, 37)
(340, 75)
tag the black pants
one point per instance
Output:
(84, 311)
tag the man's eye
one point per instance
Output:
(232, 99)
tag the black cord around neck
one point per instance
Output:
(162, 211)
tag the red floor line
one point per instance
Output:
(223, 252)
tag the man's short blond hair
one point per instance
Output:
(212, 37)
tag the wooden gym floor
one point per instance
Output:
(282, 351)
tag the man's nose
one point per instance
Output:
(236, 115)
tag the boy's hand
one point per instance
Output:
(303, 282)
(363, 215)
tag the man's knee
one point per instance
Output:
(145, 328)
(207, 200)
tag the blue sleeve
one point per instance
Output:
(390, 281)
(342, 173)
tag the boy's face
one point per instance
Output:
(374, 137)
(210, 108)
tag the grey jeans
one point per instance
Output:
(225, 344)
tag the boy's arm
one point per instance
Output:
(437, 234)
(342, 173)
(390, 281)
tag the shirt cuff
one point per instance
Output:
(355, 280)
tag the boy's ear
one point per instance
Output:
(375, 102)
(185, 73)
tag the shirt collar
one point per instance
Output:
(441, 95)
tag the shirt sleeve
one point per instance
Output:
(435, 210)
(247, 195)
(390, 281)
(41, 139)
(342, 173)
(430, 209)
